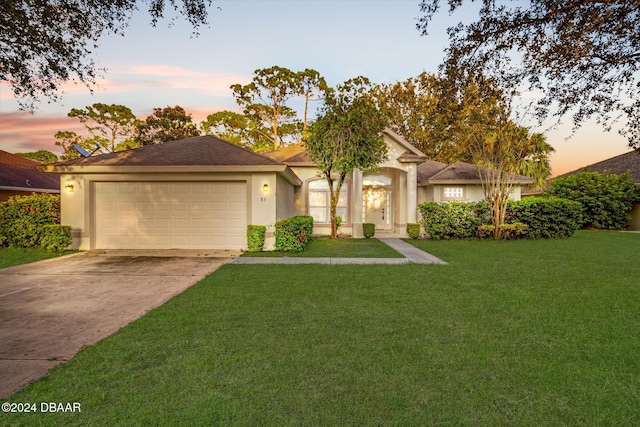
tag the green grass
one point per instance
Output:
(520, 333)
(11, 256)
(321, 247)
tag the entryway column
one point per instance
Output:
(356, 214)
(412, 193)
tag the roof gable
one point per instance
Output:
(198, 151)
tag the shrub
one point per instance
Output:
(255, 237)
(517, 230)
(22, 218)
(485, 231)
(293, 234)
(368, 230)
(452, 220)
(606, 198)
(55, 237)
(413, 230)
(546, 218)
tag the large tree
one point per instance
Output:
(346, 135)
(109, 125)
(239, 129)
(446, 116)
(44, 44)
(313, 87)
(165, 124)
(266, 97)
(439, 114)
(583, 55)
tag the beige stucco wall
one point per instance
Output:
(262, 209)
(473, 192)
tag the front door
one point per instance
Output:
(377, 207)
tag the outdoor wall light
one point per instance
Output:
(265, 188)
(69, 188)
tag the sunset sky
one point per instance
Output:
(157, 67)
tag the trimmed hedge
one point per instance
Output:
(368, 230)
(22, 218)
(293, 234)
(550, 218)
(532, 218)
(255, 237)
(606, 198)
(452, 220)
(413, 230)
(56, 237)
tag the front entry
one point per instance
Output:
(377, 207)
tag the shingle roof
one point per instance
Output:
(431, 172)
(627, 162)
(198, 151)
(294, 154)
(18, 172)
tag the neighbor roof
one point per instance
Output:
(627, 162)
(22, 174)
(431, 172)
(198, 151)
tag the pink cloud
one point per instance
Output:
(24, 132)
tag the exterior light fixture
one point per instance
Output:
(265, 188)
(69, 188)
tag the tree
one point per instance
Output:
(583, 55)
(109, 125)
(439, 114)
(165, 124)
(346, 135)
(239, 129)
(313, 88)
(265, 99)
(446, 115)
(44, 44)
(42, 156)
(499, 157)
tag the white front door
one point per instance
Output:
(377, 207)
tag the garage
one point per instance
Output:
(170, 215)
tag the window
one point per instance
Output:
(453, 193)
(320, 201)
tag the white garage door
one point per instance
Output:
(170, 215)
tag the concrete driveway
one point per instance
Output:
(50, 309)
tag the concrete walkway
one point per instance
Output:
(411, 254)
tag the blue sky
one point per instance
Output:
(155, 67)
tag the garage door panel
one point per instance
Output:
(152, 215)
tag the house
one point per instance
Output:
(627, 162)
(202, 192)
(20, 176)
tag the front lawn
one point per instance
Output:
(11, 256)
(325, 247)
(522, 333)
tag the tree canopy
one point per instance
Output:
(109, 125)
(346, 136)
(165, 124)
(582, 55)
(42, 156)
(44, 44)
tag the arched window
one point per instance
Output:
(320, 201)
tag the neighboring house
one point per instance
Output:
(201, 193)
(627, 162)
(20, 176)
